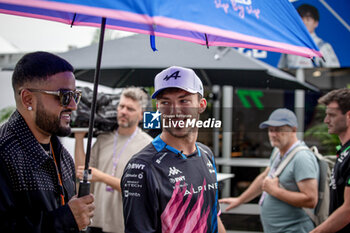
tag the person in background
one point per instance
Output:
(311, 18)
(37, 175)
(171, 185)
(109, 156)
(282, 198)
(338, 122)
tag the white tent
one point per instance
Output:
(7, 47)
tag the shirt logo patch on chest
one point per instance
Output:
(210, 167)
(342, 156)
(174, 171)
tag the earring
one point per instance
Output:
(30, 108)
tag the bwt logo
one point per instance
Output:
(151, 120)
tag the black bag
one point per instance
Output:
(106, 111)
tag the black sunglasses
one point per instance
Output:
(65, 95)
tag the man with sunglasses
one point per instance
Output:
(283, 197)
(37, 175)
(109, 155)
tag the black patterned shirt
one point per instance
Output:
(30, 194)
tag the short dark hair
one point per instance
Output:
(307, 10)
(341, 96)
(38, 66)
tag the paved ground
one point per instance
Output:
(235, 223)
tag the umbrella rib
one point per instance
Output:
(206, 40)
(75, 15)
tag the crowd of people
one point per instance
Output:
(141, 184)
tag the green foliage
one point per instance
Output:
(5, 113)
(319, 132)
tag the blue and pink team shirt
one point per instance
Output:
(166, 191)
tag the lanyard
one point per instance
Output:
(116, 156)
(277, 161)
(58, 175)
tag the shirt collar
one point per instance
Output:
(33, 150)
(343, 148)
(290, 148)
(159, 144)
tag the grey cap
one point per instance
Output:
(280, 117)
(178, 77)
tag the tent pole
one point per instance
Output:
(84, 187)
(300, 104)
(227, 105)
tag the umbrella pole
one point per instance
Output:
(84, 187)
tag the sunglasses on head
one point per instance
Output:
(64, 95)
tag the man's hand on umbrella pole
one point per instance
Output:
(82, 209)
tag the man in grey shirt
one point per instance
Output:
(283, 197)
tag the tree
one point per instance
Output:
(319, 132)
(5, 113)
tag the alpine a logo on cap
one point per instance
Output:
(178, 77)
(174, 75)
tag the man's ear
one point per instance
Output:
(347, 115)
(141, 116)
(202, 105)
(26, 98)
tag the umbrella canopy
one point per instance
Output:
(138, 66)
(272, 25)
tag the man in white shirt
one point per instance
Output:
(109, 155)
(310, 17)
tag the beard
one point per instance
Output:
(50, 123)
(128, 123)
(337, 127)
(180, 133)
